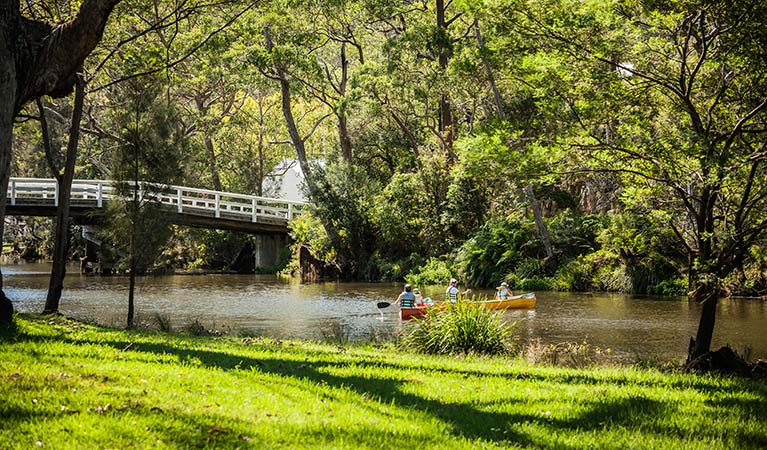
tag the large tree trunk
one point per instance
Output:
(445, 115)
(542, 230)
(704, 279)
(61, 244)
(6, 128)
(343, 129)
(290, 122)
(213, 163)
(489, 68)
(707, 294)
(47, 59)
(7, 100)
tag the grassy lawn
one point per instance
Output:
(68, 385)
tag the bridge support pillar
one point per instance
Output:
(268, 250)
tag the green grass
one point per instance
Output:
(68, 385)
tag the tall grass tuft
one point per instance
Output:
(163, 322)
(461, 329)
(566, 354)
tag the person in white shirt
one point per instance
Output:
(451, 294)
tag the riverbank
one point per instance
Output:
(70, 385)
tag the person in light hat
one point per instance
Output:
(503, 292)
(419, 301)
(451, 293)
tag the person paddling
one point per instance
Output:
(406, 299)
(452, 293)
(503, 292)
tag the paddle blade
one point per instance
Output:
(382, 305)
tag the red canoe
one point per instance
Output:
(409, 313)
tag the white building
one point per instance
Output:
(285, 181)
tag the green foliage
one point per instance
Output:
(399, 216)
(435, 271)
(461, 329)
(535, 284)
(307, 229)
(528, 268)
(642, 247)
(386, 269)
(613, 278)
(591, 124)
(495, 250)
(344, 199)
(574, 235)
(576, 275)
(672, 286)
(149, 160)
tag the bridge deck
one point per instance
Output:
(186, 206)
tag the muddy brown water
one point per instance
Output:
(632, 327)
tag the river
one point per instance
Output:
(655, 328)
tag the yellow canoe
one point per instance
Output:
(524, 301)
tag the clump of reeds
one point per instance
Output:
(566, 354)
(461, 329)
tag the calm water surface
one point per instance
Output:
(632, 327)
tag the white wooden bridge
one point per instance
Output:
(188, 206)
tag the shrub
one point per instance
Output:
(435, 271)
(495, 250)
(163, 322)
(461, 329)
(535, 284)
(673, 286)
(574, 276)
(613, 278)
(529, 268)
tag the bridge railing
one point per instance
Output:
(185, 200)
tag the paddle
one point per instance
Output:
(382, 305)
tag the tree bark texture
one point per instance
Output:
(445, 114)
(61, 244)
(213, 163)
(343, 129)
(7, 94)
(489, 68)
(707, 295)
(287, 113)
(542, 230)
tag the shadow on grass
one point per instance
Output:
(475, 420)
(8, 331)
(466, 420)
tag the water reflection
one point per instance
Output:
(631, 327)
